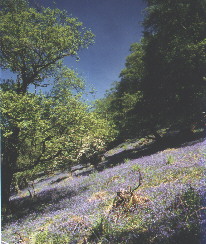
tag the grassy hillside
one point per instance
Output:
(169, 204)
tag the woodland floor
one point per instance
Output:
(79, 208)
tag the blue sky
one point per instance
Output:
(116, 25)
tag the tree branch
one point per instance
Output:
(36, 162)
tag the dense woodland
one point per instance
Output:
(162, 89)
(163, 83)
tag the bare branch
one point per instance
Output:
(140, 182)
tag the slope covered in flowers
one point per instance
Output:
(79, 209)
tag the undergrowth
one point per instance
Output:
(82, 209)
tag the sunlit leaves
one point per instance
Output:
(32, 42)
(37, 129)
(51, 125)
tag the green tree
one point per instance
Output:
(175, 62)
(163, 82)
(55, 132)
(129, 93)
(121, 101)
(32, 45)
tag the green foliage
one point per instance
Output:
(38, 129)
(173, 83)
(33, 42)
(54, 131)
(170, 159)
(13, 5)
(163, 82)
(126, 95)
(132, 74)
(126, 160)
(41, 237)
(100, 230)
(136, 168)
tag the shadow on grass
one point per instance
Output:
(174, 141)
(183, 237)
(153, 235)
(46, 200)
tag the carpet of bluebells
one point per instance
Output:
(79, 209)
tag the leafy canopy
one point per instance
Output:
(33, 43)
(163, 82)
(55, 132)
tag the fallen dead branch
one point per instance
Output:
(128, 200)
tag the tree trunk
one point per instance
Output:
(8, 166)
(7, 176)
